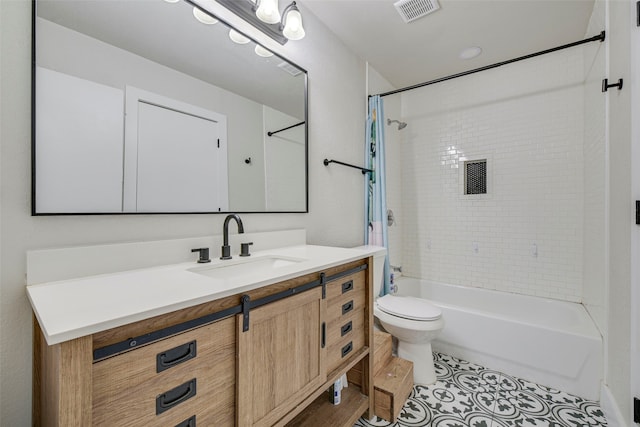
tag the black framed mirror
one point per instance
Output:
(141, 107)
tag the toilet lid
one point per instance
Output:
(409, 307)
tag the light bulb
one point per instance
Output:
(203, 17)
(293, 29)
(260, 51)
(172, 1)
(237, 37)
(268, 11)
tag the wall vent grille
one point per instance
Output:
(291, 69)
(410, 10)
(475, 177)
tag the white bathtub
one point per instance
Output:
(552, 343)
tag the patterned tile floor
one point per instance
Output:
(468, 395)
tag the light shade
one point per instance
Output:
(293, 29)
(203, 17)
(268, 11)
(260, 51)
(236, 37)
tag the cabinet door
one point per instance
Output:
(281, 359)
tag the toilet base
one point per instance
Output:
(424, 371)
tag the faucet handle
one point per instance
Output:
(204, 255)
(244, 249)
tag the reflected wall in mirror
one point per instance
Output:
(141, 108)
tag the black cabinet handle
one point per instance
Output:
(347, 307)
(347, 349)
(175, 396)
(190, 422)
(175, 356)
(324, 334)
(347, 286)
(346, 329)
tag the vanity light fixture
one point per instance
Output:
(236, 37)
(265, 16)
(291, 25)
(203, 17)
(260, 51)
(267, 11)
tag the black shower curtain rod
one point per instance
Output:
(600, 37)
(287, 128)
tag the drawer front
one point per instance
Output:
(345, 286)
(181, 380)
(344, 326)
(343, 347)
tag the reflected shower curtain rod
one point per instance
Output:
(600, 37)
(287, 128)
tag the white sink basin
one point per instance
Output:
(243, 267)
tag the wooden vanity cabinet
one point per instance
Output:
(269, 364)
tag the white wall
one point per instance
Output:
(284, 162)
(620, 221)
(594, 295)
(526, 119)
(336, 117)
(76, 54)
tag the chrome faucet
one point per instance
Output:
(226, 249)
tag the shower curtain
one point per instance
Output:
(375, 189)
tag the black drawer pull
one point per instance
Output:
(347, 286)
(190, 422)
(347, 349)
(324, 335)
(175, 356)
(346, 329)
(347, 307)
(176, 396)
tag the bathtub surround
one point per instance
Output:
(525, 234)
(467, 394)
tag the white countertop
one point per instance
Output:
(70, 309)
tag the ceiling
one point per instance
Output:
(184, 44)
(429, 47)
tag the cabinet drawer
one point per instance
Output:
(344, 326)
(348, 285)
(345, 305)
(170, 381)
(342, 348)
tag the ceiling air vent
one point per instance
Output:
(294, 71)
(410, 10)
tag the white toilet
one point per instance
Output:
(415, 322)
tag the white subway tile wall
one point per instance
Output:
(526, 234)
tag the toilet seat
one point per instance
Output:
(409, 308)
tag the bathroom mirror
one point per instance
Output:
(140, 107)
